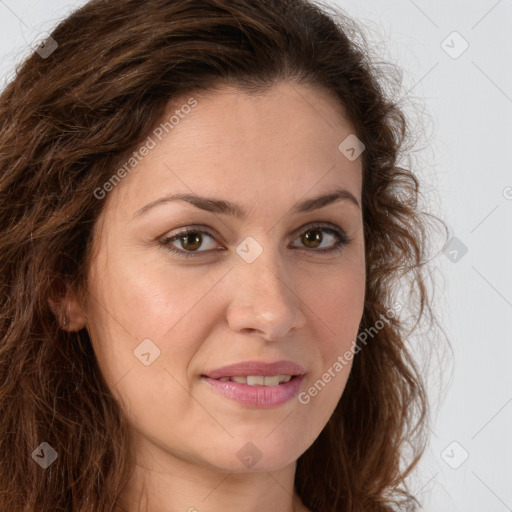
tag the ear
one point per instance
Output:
(69, 312)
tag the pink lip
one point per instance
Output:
(246, 368)
(258, 396)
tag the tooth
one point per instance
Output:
(259, 380)
(255, 380)
(271, 380)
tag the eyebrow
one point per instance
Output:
(214, 205)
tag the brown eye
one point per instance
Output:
(332, 238)
(189, 241)
(312, 238)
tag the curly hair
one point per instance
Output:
(68, 118)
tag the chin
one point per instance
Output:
(257, 454)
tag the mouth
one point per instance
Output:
(257, 384)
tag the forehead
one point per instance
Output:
(283, 142)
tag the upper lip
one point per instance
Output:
(245, 368)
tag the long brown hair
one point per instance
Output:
(68, 118)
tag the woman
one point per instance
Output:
(203, 228)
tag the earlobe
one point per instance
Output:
(69, 314)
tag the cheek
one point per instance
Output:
(145, 298)
(135, 303)
(336, 302)
(335, 311)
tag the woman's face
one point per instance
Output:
(282, 296)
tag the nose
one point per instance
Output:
(264, 301)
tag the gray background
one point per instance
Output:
(465, 165)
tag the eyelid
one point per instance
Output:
(192, 228)
(317, 225)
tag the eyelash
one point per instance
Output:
(342, 240)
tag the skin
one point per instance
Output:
(265, 152)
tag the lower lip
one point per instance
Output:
(262, 397)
